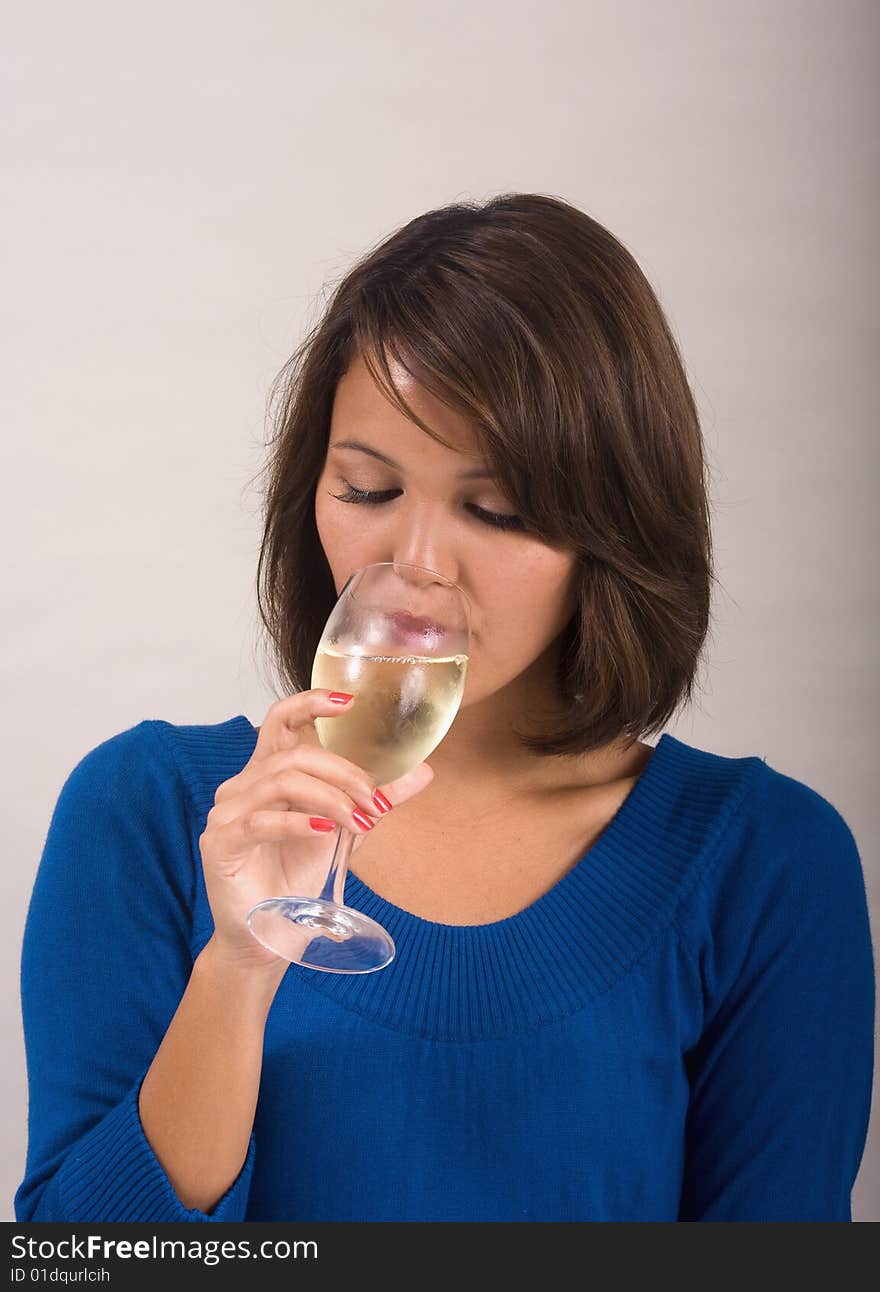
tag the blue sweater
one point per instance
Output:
(680, 1029)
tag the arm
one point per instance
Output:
(198, 1100)
(781, 1075)
(110, 997)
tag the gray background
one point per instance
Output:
(180, 181)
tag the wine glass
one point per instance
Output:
(398, 639)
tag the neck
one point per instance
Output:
(481, 753)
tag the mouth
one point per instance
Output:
(414, 626)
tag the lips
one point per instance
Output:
(414, 626)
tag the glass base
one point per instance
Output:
(321, 935)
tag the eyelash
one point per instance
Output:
(375, 499)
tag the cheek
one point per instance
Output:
(321, 515)
(530, 599)
(336, 524)
(323, 505)
(539, 578)
(348, 541)
(333, 535)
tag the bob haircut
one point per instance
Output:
(534, 321)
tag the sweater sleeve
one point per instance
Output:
(780, 1079)
(105, 961)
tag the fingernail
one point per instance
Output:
(339, 697)
(381, 802)
(363, 821)
(321, 823)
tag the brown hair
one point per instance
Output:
(534, 321)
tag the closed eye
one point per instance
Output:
(374, 498)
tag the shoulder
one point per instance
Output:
(761, 817)
(117, 763)
(207, 754)
(787, 870)
(800, 835)
(128, 785)
(163, 759)
(132, 807)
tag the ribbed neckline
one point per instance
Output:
(467, 982)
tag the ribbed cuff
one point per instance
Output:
(112, 1174)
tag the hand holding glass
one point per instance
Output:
(398, 639)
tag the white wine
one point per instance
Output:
(404, 707)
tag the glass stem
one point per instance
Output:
(334, 885)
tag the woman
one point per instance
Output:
(632, 982)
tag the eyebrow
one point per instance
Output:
(475, 473)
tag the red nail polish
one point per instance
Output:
(321, 823)
(363, 821)
(339, 697)
(381, 802)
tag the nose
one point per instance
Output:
(429, 600)
(423, 534)
(424, 539)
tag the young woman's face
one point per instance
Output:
(521, 590)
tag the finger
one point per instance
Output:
(295, 791)
(284, 719)
(236, 840)
(314, 760)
